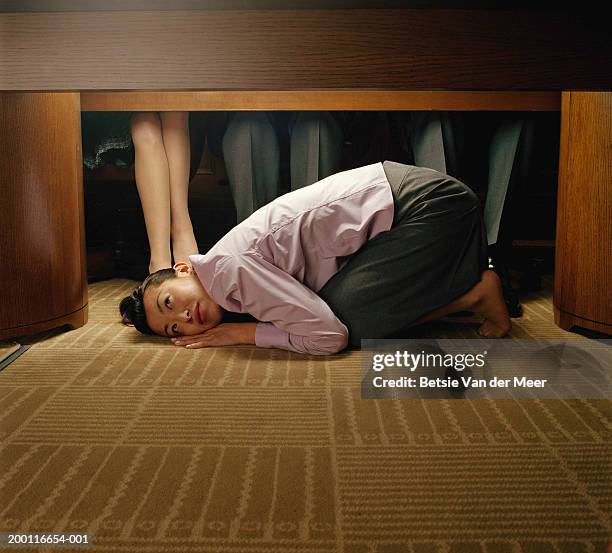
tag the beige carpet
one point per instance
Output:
(149, 447)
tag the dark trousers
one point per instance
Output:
(435, 251)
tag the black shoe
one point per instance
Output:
(515, 309)
(531, 279)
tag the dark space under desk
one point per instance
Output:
(308, 59)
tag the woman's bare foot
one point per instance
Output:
(489, 303)
(183, 246)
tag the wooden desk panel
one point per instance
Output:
(42, 231)
(392, 49)
(329, 100)
(583, 264)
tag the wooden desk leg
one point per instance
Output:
(42, 233)
(583, 263)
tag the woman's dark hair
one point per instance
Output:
(132, 307)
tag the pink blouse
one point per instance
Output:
(272, 264)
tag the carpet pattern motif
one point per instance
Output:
(149, 447)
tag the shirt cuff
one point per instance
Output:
(269, 336)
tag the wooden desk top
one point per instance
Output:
(302, 49)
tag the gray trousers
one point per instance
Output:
(435, 139)
(435, 251)
(252, 154)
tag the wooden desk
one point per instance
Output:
(58, 60)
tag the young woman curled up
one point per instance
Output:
(360, 254)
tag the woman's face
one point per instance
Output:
(180, 306)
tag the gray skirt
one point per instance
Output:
(435, 251)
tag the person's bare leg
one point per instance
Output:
(175, 130)
(484, 299)
(151, 168)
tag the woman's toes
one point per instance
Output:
(489, 329)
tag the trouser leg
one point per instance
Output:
(316, 148)
(434, 139)
(453, 135)
(502, 159)
(500, 210)
(427, 140)
(252, 156)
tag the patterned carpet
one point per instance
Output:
(149, 447)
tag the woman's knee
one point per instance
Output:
(146, 130)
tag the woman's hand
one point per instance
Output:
(225, 334)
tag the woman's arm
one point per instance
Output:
(292, 316)
(225, 334)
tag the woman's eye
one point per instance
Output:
(175, 328)
(167, 302)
